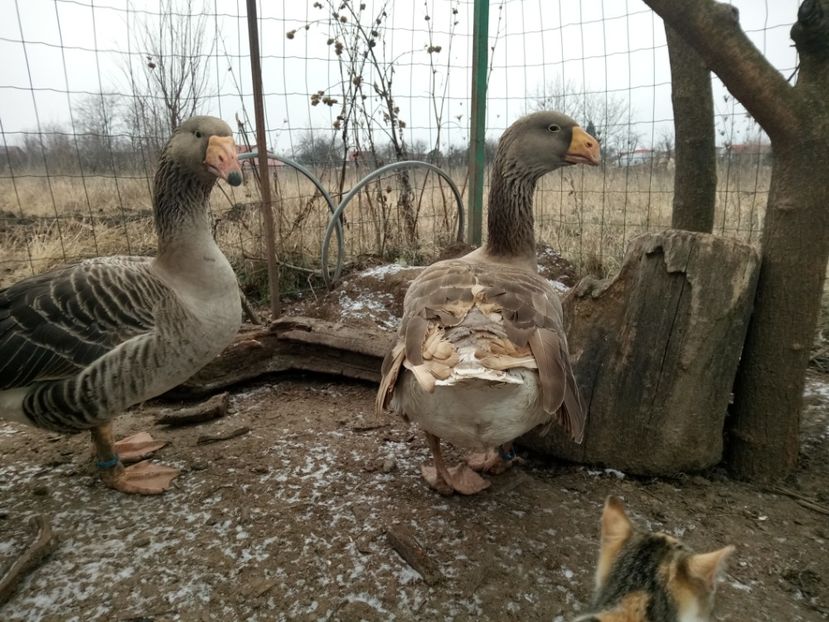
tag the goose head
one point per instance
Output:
(544, 141)
(204, 148)
(532, 146)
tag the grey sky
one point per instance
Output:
(616, 46)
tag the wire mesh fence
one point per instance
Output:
(91, 90)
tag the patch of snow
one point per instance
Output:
(369, 305)
(817, 388)
(560, 287)
(7, 429)
(368, 599)
(599, 472)
(382, 271)
(406, 574)
(740, 586)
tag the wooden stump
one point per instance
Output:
(655, 352)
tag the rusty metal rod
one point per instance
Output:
(262, 149)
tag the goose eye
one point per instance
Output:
(553, 128)
(197, 133)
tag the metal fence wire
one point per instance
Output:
(90, 91)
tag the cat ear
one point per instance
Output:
(707, 566)
(616, 529)
(616, 526)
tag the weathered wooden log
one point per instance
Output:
(299, 344)
(655, 352)
(213, 408)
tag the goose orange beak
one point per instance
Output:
(221, 159)
(583, 149)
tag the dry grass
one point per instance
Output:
(588, 214)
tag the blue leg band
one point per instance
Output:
(108, 464)
(506, 456)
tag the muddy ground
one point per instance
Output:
(289, 520)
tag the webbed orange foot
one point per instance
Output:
(144, 478)
(137, 447)
(459, 478)
(492, 461)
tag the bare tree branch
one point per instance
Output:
(175, 80)
(713, 29)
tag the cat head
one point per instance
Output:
(648, 567)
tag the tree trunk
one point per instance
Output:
(655, 351)
(763, 431)
(695, 176)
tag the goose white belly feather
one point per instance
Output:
(476, 413)
(205, 285)
(11, 405)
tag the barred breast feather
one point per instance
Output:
(91, 339)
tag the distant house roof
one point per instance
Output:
(755, 148)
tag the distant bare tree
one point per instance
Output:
(101, 135)
(171, 83)
(317, 149)
(665, 146)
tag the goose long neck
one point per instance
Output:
(510, 222)
(180, 208)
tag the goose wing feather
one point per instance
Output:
(531, 317)
(55, 324)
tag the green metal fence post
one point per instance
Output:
(480, 46)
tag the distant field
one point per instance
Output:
(587, 214)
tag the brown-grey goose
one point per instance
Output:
(481, 355)
(80, 344)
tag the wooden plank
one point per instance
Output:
(286, 346)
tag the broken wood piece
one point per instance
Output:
(214, 408)
(40, 547)
(206, 439)
(285, 346)
(803, 500)
(368, 427)
(402, 541)
(250, 313)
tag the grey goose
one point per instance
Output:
(82, 343)
(481, 355)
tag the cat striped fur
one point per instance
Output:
(651, 577)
